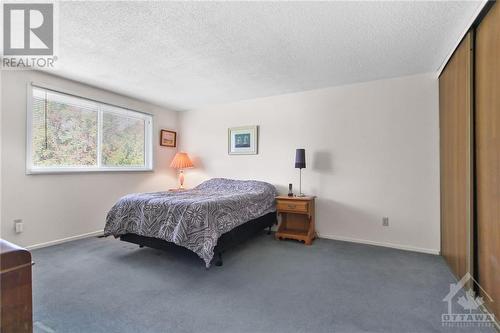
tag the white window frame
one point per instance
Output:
(148, 137)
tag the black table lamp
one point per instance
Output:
(300, 163)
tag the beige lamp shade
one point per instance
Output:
(181, 161)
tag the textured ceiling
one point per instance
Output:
(185, 55)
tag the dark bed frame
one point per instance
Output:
(225, 242)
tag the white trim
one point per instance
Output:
(148, 136)
(64, 240)
(469, 24)
(383, 244)
(62, 170)
(333, 237)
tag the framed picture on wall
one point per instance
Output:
(243, 140)
(168, 138)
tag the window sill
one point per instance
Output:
(44, 171)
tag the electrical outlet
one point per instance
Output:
(385, 221)
(19, 226)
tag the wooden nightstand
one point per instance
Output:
(177, 189)
(297, 218)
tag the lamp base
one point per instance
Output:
(181, 180)
(300, 184)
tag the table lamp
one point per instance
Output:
(181, 161)
(300, 163)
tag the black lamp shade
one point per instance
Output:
(300, 158)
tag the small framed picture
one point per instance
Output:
(243, 140)
(168, 138)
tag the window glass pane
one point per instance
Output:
(70, 133)
(123, 139)
(64, 130)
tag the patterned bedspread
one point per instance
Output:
(195, 218)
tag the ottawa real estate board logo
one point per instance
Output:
(465, 308)
(28, 35)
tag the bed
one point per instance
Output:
(207, 219)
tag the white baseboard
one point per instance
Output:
(64, 240)
(334, 237)
(391, 245)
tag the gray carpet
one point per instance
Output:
(105, 285)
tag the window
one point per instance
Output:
(73, 134)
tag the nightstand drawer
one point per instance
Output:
(292, 206)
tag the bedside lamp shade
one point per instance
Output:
(181, 161)
(300, 159)
(300, 163)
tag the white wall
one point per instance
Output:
(55, 207)
(371, 150)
